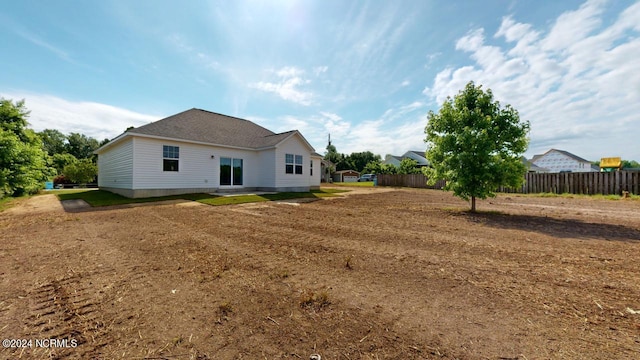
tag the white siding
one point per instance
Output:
(556, 161)
(115, 166)
(196, 168)
(314, 180)
(137, 164)
(293, 145)
(390, 160)
(267, 168)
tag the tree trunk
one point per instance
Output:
(473, 204)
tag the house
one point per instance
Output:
(531, 167)
(416, 155)
(392, 160)
(556, 161)
(346, 176)
(326, 167)
(202, 151)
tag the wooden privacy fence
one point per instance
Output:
(407, 180)
(588, 183)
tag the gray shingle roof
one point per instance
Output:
(575, 157)
(209, 127)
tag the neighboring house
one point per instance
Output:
(326, 167)
(556, 161)
(416, 155)
(202, 151)
(392, 160)
(531, 167)
(346, 176)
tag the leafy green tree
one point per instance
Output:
(376, 167)
(630, 164)
(475, 144)
(60, 161)
(408, 166)
(53, 141)
(81, 146)
(359, 160)
(13, 118)
(23, 162)
(373, 167)
(81, 171)
(332, 153)
(388, 169)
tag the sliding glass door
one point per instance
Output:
(231, 171)
(237, 172)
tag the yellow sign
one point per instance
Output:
(611, 162)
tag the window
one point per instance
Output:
(170, 156)
(225, 171)
(299, 164)
(293, 163)
(288, 167)
(310, 167)
(237, 171)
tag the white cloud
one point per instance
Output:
(38, 41)
(200, 58)
(287, 85)
(318, 70)
(405, 83)
(335, 125)
(289, 72)
(574, 26)
(577, 83)
(473, 41)
(397, 130)
(97, 120)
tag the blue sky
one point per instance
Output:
(365, 71)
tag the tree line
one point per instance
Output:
(28, 159)
(367, 162)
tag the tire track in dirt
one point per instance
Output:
(71, 309)
(63, 310)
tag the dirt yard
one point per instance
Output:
(396, 274)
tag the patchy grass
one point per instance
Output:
(358, 184)
(243, 199)
(314, 300)
(6, 202)
(105, 198)
(65, 191)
